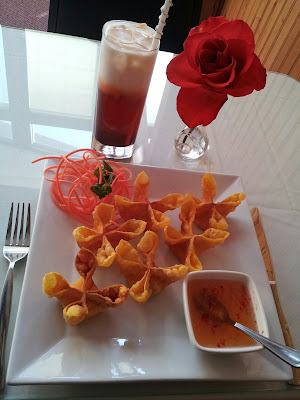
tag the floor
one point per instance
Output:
(29, 14)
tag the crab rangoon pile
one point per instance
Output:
(108, 241)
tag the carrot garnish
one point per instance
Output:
(78, 185)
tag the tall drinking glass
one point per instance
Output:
(126, 65)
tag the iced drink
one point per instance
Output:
(126, 64)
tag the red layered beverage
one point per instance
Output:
(120, 130)
(126, 65)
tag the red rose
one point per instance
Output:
(218, 60)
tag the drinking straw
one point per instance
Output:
(161, 23)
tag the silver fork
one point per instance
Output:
(16, 247)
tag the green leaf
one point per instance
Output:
(100, 190)
(106, 167)
(108, 189)
(97, 173)
(109, 178)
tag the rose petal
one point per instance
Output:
(222, 78)
(199, 106)
(242, 53)
(208, 61)
(253, 79)
(209, 25)
(193, 45)
(224, 59)
(208, 56)
(207, 68)
(215, 44)
(236, 29)
(210, 68)
(197, 42)
(181, 73)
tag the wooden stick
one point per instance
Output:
(271, 275)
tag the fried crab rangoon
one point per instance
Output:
(185, 244)
(83, 299)
(142, 208)
(210, 214)
(145, 278)
(99, 240)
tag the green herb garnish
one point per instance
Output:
(103, 189)
(106, 167)
(97, 173)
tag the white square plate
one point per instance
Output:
(135, 341)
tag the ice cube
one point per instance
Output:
(142, 39)
(120, 61)
(134, 36)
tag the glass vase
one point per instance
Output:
(191, 143)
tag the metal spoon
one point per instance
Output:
(217, 312)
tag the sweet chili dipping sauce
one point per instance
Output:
(236, 298)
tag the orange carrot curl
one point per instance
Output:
(72, 178)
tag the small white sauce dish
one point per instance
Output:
(256, 304)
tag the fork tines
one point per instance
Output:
(21, 239)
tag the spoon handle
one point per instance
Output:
(287, 354)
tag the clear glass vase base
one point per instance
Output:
(191, 143)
